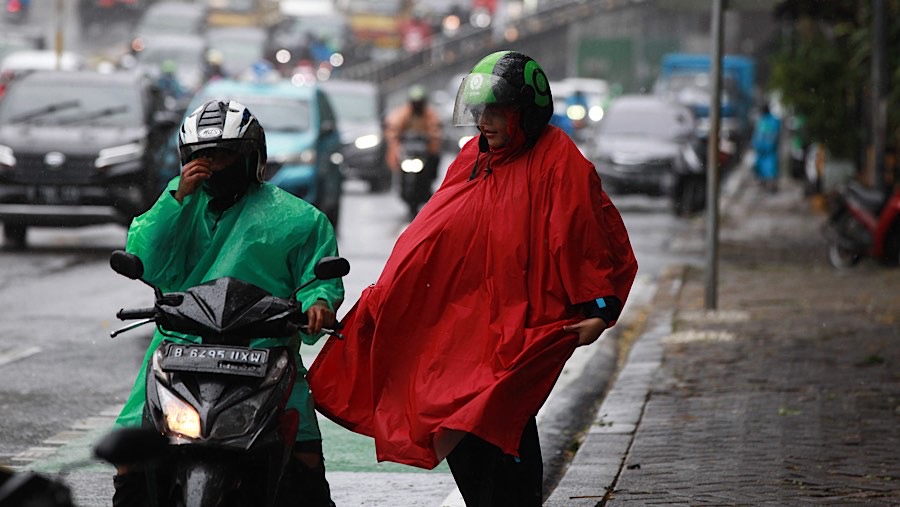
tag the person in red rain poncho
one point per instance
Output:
(517, 259)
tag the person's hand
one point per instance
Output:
(193, 174)
(319, 316)
(588, 330)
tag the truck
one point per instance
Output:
(225, 13)
(686, 78)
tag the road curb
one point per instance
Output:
(594, 470)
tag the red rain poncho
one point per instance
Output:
(463, 330)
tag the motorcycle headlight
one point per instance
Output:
(576, 112)
(595, 113)
(412, 165)
(180, 417)
(7, 158)
(119, 154)
(367, 142)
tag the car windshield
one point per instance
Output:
(239, 51)
(322, 26)
(233, 5)
(93, 103)
(279, 114)
(188, 57)
(355, 107)
(167, 23)
(663, 123)
(694, 88)
(392, 7)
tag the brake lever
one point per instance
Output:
(333, 332)
(129, 327)
(326, 330)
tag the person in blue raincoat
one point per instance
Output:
(220, 218)
(765, 145)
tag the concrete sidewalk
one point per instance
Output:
(788, 394)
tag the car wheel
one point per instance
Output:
(14, 236)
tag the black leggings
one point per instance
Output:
(488, 478)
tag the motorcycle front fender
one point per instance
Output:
(206, 483)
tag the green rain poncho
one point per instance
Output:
(269, 238)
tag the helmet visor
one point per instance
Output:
(189, 152)
(477, 91)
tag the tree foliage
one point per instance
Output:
(823, 70)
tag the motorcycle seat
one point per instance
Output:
(872, 199)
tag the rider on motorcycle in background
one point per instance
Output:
(221, 218)
(415, 117)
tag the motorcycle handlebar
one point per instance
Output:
(136, 313)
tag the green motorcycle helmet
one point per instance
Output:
(506, 78)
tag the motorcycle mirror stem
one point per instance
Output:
(328, 268)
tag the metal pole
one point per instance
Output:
(712, 162)
(58, 40)
(879, 102)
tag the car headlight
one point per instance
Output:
(119, 154)
(463, 140)
(366, 142)
(180, 417)
(7, 158)
(305, 157)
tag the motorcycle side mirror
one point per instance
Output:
(329, 268)
(130, 266)
(126, 264)
(126, 446)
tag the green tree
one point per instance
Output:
(823, 70)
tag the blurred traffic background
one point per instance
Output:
(92, 93)
(630, 78)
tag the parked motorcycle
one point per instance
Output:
(221, 402)
(417, 172)
(863, 222)
(688, 191)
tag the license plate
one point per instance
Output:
(54, 195)
(215, 359)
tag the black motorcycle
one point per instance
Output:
(221, 402)
(418, 170)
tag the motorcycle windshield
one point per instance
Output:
(228, 310)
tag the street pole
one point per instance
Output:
(712, 162)
(58, 40)
(879, 102)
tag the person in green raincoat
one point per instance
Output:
(219, 218)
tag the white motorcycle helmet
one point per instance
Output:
(229, 125)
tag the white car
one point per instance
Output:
(41, 59)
